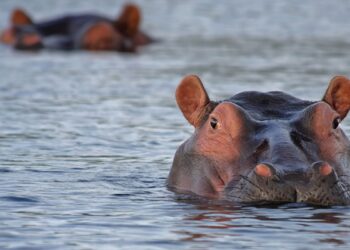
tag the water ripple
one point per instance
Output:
(87, 139)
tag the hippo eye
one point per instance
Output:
(336, 122)
(213, 123)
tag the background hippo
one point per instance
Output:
(81, 31)
(264, 147)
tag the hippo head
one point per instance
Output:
(264, 147)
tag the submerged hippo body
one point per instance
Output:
(264, 147)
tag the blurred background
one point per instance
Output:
(87, 139)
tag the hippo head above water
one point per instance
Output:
(264, 147)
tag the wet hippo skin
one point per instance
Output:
(259, 147)
(82, 31)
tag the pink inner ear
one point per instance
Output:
(192, 99)
(129, 21)
(341, 109)
(342, 100)
(338, 95)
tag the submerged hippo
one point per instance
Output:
(264, 147)
(80, 31)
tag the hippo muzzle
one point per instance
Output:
(320, 185)
(285, 172)
(264, 147)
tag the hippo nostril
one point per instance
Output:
(323, 168)
(264, 170)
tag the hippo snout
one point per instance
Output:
(319, 184)
(297, 175)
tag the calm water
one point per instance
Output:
(87, 140)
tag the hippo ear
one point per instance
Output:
(20, 17)
(338, 95)
(129, 20)
(192, 99)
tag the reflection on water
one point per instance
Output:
(87, 139)
(232, 226)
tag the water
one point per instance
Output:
(87, 140)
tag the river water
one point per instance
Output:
(87, 139)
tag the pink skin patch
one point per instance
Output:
(31, 39)
(263, 170)
(326, 169)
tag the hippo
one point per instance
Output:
(80, 31)
(264, 148)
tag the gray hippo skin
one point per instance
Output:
(264, 148)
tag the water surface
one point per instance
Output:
(87, 140)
